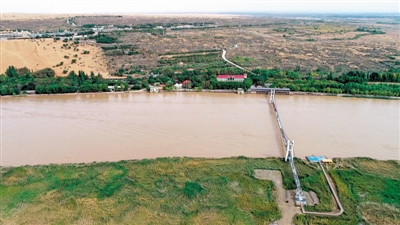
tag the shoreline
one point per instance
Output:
(184, 157)
(218, 91)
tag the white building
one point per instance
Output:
(178, 86)
(231, 78)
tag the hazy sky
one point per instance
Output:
(166, 6)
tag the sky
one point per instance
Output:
(197, 6)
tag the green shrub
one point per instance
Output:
(192, 189)
(46, 72)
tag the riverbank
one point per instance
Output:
(192, 191)
(343, 95)
(223, 91)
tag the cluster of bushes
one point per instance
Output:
(44, 73)
(103, 38)
(60, 64)
(85, 32)
(109, 47)
(88, 25)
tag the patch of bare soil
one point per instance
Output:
(289, 210)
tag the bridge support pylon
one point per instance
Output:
(289, 150)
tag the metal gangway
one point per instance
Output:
(300, 198)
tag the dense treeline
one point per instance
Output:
(17, 81)
(353, 82)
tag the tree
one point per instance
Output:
(12, 72)
(44, 73)
(169, 84)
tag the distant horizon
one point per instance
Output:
(198, 7)
(213, 13)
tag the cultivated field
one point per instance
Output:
(38, 54)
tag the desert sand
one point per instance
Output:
(41, 53)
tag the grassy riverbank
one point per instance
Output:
(190, 191)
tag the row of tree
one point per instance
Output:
(353, 82)
(17, 80)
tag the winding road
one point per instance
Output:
(224, 58)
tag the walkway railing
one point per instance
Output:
(300, 199)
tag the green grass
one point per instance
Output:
(191, 191)
(368, 190)
(245, 61)
(161, 191)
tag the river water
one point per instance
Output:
(120, 126)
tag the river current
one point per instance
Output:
(121, 126)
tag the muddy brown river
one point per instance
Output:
(111, 127)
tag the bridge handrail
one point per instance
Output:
(289, 151)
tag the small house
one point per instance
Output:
(327, 161)
(178, 86)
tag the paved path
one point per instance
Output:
(333, 189)
(223, 57)
(288, 210)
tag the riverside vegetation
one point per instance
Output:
(18, 80)
(193, 191)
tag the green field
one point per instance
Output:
(191, 191)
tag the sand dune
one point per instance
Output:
(39, 54)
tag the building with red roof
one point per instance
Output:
(232, 78)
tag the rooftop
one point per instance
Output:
(314, 158)
(230, 75)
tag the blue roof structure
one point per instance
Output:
(314, 158)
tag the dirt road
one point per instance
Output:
(289, 210)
